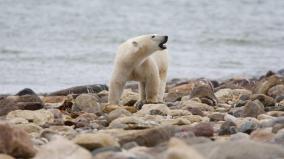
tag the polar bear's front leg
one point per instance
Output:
(162, 89)
(152, 88)
(142, 91)
(163, 83)
(115, 91)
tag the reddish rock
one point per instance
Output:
(15, 142)
(205, 93)
(262, 135)
(177, 92)
(203, 129)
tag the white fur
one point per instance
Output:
(140, 59)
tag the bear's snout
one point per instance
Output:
(163, 45)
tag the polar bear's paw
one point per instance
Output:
(139, 104)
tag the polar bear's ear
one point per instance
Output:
(134, 43)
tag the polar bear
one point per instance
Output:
(143, 59)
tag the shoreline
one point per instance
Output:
(196, 117)
(171, 81)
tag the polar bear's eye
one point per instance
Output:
(153, 36)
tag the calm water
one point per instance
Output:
(52, 44)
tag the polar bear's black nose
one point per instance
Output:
(166, 38)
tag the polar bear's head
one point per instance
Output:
(148, 43)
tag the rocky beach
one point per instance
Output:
(200, 119)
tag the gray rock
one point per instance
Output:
(237, 112)
(279, 137)
(216, 117)
(276, 91)
(248, 125)
(228, 128)
(239, 136)
(87, 103)
(80, 90)
(106, 150)
(272, 122)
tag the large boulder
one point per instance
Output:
(38, 117)
(60, 148)
(15, 142)
(87, 103)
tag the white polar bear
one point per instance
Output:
(144, 59)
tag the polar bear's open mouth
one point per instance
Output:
(163, 44)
